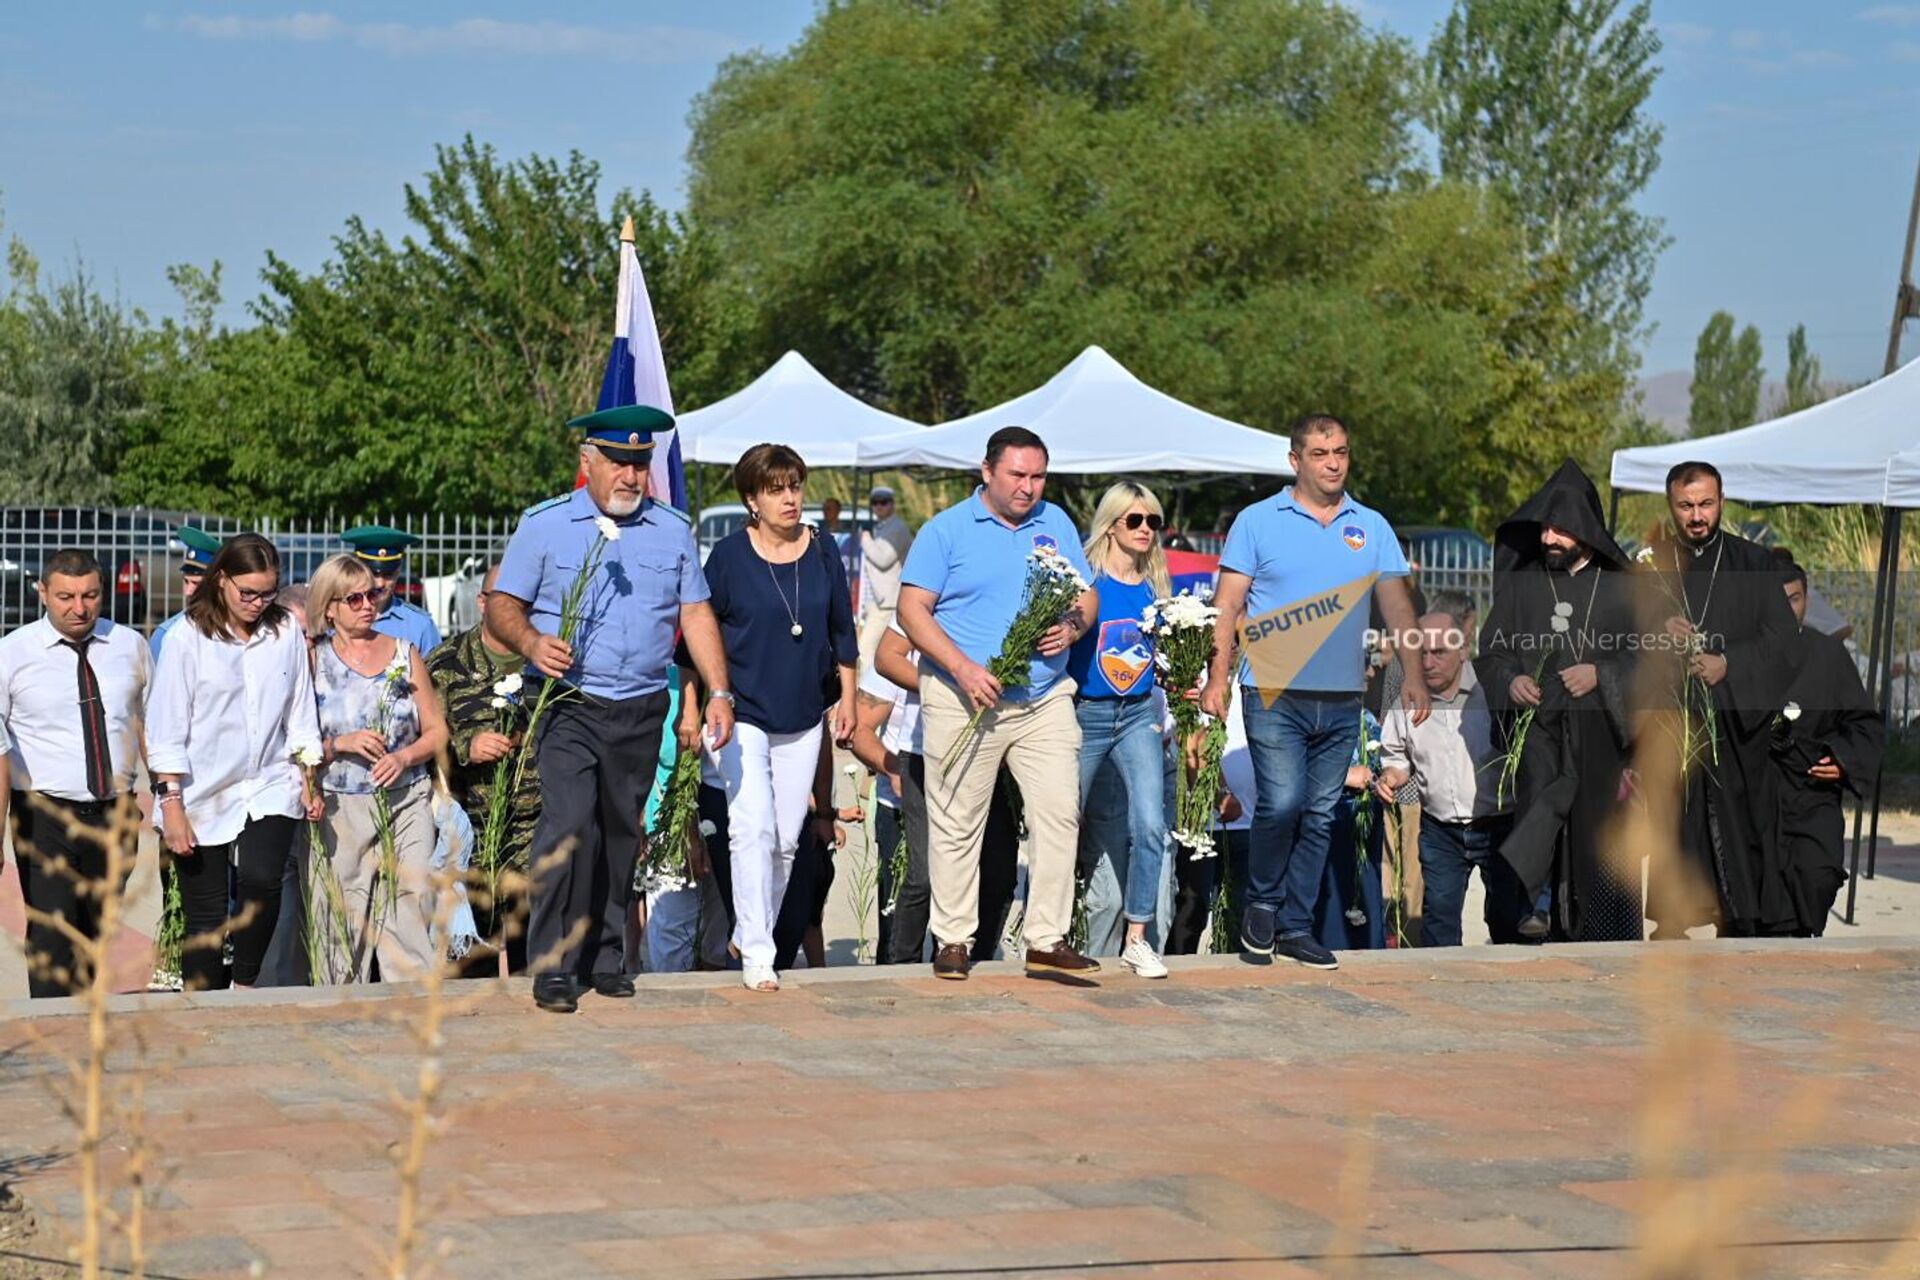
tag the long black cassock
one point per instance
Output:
(1830, 716)
(1575, 749)
(1734, 597)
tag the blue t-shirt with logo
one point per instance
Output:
(1312, 589)
(1115, 658)
(977, 566)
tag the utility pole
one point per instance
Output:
(1886, 592)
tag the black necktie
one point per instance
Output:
(93, 726)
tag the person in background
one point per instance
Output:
(963, 586)
(285, 963)
(1827, 741)
(201, 548)
(1301, 570)
(1454, 760)
(381, 728)
(664, 933)
(71, 689)
(1112, 667)
(465, 669)
(883, 552)
(786, 620)
(1350, 912)
(231, 711)
(598, 746)
(1198, 875)
(384, 552)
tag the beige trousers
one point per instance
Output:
(1039, 742)
(355, 914)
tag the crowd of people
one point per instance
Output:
(1619, 738)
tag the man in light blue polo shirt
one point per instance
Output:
(963, 585)
(1296, 581)
(598, 746)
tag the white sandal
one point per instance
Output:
(760, 977)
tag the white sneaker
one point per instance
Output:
(1139, 957)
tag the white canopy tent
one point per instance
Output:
(793, 403)
(1862, 447)
(1840, 451)
(1097, 418)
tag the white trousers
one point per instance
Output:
(768, 777)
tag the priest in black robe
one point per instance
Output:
(1734, 649)
(1559, 642)
(1826, 743)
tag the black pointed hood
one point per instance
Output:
(1567, 501)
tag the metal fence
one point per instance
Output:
(141, 554)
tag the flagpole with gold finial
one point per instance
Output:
(626, 230)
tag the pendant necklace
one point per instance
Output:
(793, 610)
(1573, 641)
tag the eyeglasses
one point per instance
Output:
(1134, 519)
(256, 597)
(372, 595)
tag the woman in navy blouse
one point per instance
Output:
(786, 617)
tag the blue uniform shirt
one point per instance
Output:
(977, 567)
(160, 633)
(408, 622)
(631, 609)
(1115, 658)
(1312, 588)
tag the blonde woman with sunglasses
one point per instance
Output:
(1119, 717)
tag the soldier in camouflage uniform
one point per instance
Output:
(465, 668)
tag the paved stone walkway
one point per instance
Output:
(1483, 1113)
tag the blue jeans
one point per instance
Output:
(1448, 855)
(1301, 746)
(1128, 732)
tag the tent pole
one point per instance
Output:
(1886, 677)
(1880, 582)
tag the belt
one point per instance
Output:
(1471, 824)
(80, 808)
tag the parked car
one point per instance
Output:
(19, 600)
(716, 522)
(131, 545)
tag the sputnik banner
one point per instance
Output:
(1281, 645)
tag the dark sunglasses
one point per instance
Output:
(1134, 519)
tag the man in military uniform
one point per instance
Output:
(467, 669)
(201, 547)
(598, 746)
(384, 552)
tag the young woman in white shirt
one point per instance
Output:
(231, 711)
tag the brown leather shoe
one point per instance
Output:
(951, 961)
(1060, 958)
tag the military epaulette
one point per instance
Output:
(549, 504)
(674, 511)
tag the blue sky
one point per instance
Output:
(140, 135)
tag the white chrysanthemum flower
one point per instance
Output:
(1791, 711)
(1563, 608)
(311, 757)
(1560, 624)
(851, 770)
(1644, 555)
(1373, 745)
(608, 529)
(707, 829)
(497, 702)
(509, 685)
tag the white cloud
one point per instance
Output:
(1685, 34)
(1893, 15)
(655, 45)
(1747, 40)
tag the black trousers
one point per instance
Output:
(258, 856)
(60, 875)
(1199, 881)
(597, 761)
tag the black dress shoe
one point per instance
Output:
(554, 993)
(616, 985)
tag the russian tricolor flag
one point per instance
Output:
(637, 372)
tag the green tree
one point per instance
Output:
(73, 366)
(1726, 378)
(1545, 101)
(1803, 388)
(941, 204)
(432, 373)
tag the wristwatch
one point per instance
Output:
(727, 694)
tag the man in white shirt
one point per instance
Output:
(71, 687)
(883, 553)
(1454, 760)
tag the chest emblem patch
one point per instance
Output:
(1354, 536)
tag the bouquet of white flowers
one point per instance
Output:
(1053, 584)
(674, 824)
(1182, 631)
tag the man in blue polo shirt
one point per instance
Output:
(1296, 581)
(597, 747)
(963, 585)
